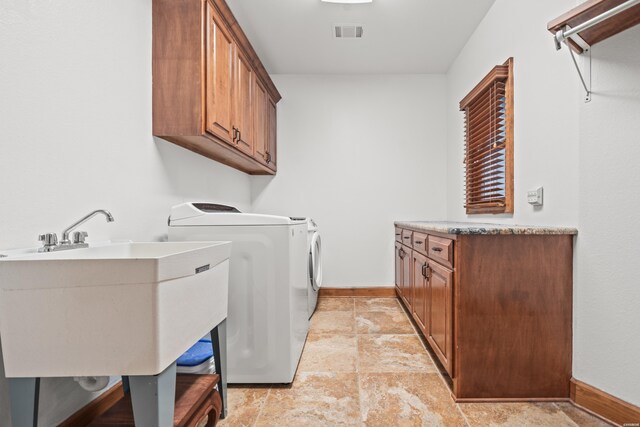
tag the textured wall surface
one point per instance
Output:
(607, 292)
(357, 153)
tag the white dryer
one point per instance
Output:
(315, 264)
(268, 318)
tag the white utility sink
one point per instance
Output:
(117, 309)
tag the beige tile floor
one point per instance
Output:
(364, 365)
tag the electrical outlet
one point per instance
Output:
(534, 197)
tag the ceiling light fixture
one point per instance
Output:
(347, 1)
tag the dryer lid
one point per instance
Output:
(187, 214)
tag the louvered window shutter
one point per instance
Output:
(488, 111)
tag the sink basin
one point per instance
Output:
(118, 309)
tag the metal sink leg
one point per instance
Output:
(219, 342)
(153, 398)
(24, 394)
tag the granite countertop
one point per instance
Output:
(482, 228)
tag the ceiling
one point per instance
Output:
(400, 36)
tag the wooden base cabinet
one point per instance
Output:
(211, 93)
(495, 309)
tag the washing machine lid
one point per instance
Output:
(187, 214)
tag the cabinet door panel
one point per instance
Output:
(260, 128)
(243, 99)
(272, 134)
(420, 290)
(440, 322)
(219, 83)
(407, 277)
(398, 267)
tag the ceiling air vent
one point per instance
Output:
(348, 31)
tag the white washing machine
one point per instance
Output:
(268, 318)
(315, 264)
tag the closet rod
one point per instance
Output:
(562, 35)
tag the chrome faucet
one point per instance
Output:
(50, 240)
(65, 233)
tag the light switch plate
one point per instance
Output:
(534, 197)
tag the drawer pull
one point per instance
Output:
(436, 249)
(418, 242)
(425, 266)
(397, 234)
(406, 237)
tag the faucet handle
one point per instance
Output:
(79, 236)
(48, 239)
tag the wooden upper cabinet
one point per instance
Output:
(264, 126)
(219, 90)
(243, 113)
(260, 121)
(205, 80)
(272, 133)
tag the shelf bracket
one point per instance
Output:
(586, 49)
(587, 88)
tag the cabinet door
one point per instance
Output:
(407, 278)
(441, 310)
(272, 133)
(260, 130)
(399, 267)
(420, 290)
(243, 98)
(219, 83)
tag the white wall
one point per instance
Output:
(545, 113)
(584, 156)
(607, 330)
(75, 135)
(355, 154)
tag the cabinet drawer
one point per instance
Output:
(406, 237)
(419, 242)
(441, 250)
(398, 234)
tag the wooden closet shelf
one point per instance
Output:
(602, 31)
